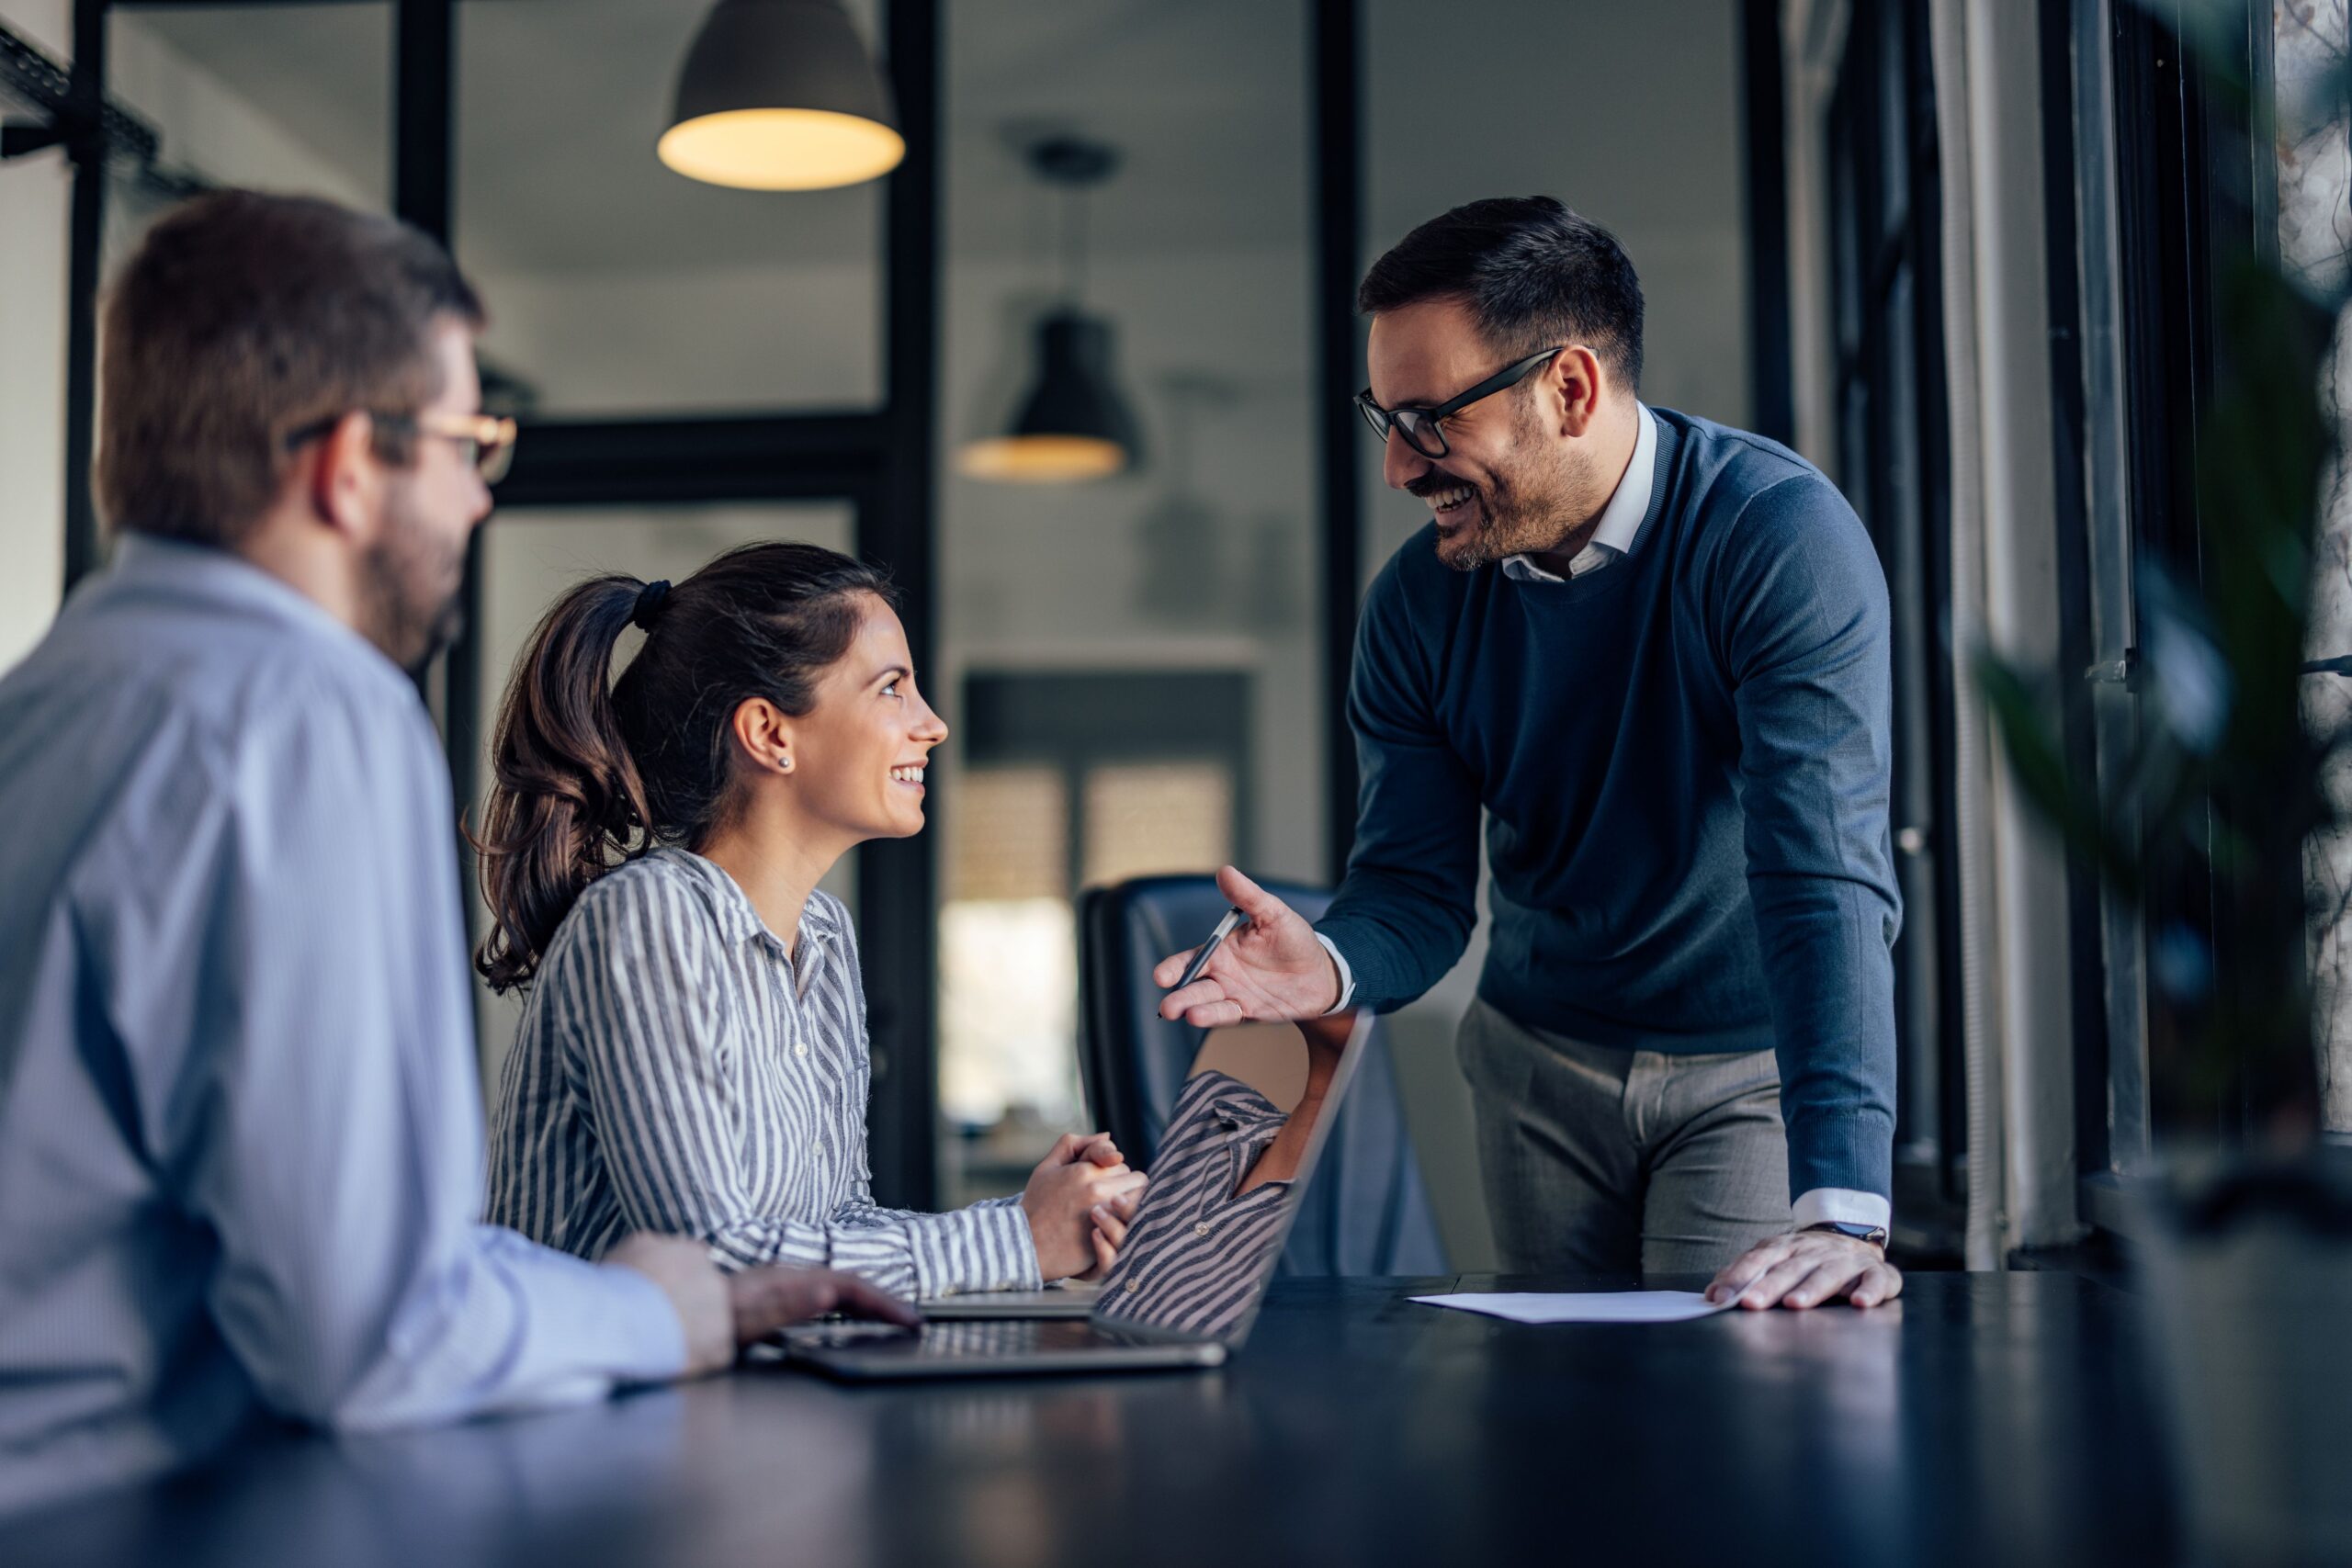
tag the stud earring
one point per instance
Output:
(783, 764)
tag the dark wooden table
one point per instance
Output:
(1982, 1419)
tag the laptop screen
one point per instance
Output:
(1241, 1141)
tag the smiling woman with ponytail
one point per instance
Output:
(693, 1054)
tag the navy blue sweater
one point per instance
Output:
(1684, 759)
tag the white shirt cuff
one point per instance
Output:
(1347, 975)
(1842, 1205)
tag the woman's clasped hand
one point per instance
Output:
(1081, 1174)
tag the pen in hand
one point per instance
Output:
(1233, 917)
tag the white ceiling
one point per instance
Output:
(322, 73)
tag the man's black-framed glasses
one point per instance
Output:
(488, 440)
(1419, 427)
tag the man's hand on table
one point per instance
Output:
(1804, 1268)
(719, 1313)
(1272, 969)
(764, 1300)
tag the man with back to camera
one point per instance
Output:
(1653, 650)
(241, 1148)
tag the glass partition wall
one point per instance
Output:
(1130, 663)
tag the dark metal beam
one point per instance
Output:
(31, 76)
(2077, 647)
(790, 457)
(424, 132)
(85, 145)
(425, 126)
(1336, 55)
(898, 880)
(1771, 393)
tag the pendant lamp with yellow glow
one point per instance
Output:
(1073, 425)
(781, 95)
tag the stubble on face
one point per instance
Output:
(415, 583)
(1524, 504)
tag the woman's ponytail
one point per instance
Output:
(567, 803)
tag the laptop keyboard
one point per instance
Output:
(986, 1337)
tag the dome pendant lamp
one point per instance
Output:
(1073, 424)
(780, 95)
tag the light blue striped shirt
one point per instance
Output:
(676, 1070)
(241, 1148)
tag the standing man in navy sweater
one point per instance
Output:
(1652, 651)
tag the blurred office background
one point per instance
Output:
(1143, 670)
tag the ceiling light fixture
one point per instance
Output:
(781, 95)
(1073, 425)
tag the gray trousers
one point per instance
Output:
(1603, 1161)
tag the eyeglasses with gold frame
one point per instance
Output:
(488, 439)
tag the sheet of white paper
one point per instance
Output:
(1586, 1306)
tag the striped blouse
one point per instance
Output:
(676, 1071)
(1196, 1255)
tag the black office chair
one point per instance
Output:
(1367, 1212)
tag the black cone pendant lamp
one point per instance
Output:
(780, 95)
(1073, 424)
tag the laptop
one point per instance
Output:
(1241, 1143)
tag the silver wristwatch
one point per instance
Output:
(1874, 1234)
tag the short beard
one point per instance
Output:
(1521, 512)
(415, 588)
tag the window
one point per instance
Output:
(2168, 182)
(2165, 183)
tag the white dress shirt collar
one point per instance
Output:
(1620, 520)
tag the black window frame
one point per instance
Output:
(2095, 625)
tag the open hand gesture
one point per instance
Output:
(1271, 970)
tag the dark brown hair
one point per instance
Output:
(1532, 272)
(590, 771)
(241, 318)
